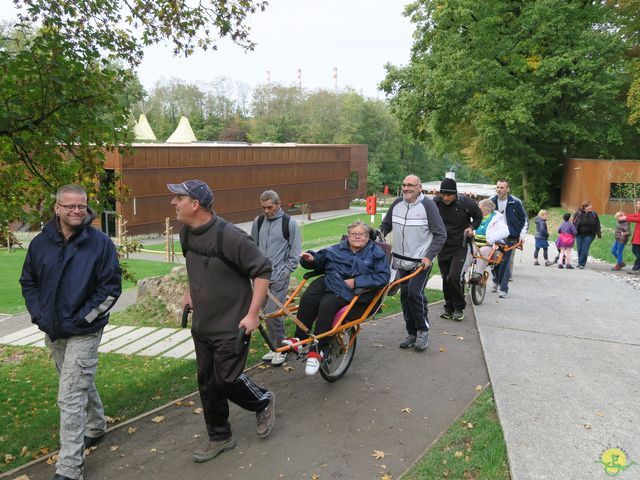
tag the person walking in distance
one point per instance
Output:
(542, 239)
(635, 240)
(566, 238)
(461, 216)
(418, 236)
(623, 230)
(516, 218)
(70, 280)
(221, 262)
(278, 239)
(587, 223)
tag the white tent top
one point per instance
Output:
(143, 130)
(183, 133)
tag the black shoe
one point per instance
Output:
(92, 441)
(458, 315)
(57, 476)
(408, 342)
(422, 340)
(447, 315)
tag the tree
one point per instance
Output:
(513, 86)
(66, 88)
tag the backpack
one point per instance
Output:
(285, 227)
(216, 250)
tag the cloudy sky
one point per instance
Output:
(355, 36)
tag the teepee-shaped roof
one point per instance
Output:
(143, 130)
(183, 133)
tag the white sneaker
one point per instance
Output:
(502, 294)
(494, 287)
(313, 363)
(278, 358)
(267, 357)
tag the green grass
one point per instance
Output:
(11, 300)
(29, 416)
(472, 448)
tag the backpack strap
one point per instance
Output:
(285, 227)
(216, 250)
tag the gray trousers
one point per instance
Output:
(81, 411)
(275, 326)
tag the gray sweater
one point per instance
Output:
(284, 255)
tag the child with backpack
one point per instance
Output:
(566, 238)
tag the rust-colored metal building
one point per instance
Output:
(605, 183)
(325, 177)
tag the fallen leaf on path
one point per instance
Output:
(443, 349)
(445, 333)
(114, 447)
(132, 430)
(262, 366)
(378, 345)
(288, 369)
(153, 450)
(459, 338)
(197, 411)
(22, 477)
(570, 375)
(386, 476)
(52, 459)
(587, 426)
(315, 476)
(407, 410)
(378, 454)
(158, 419)
(478, 388)
(109, 419)
(196, 435)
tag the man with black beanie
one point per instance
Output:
(461, 216)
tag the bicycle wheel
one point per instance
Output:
(338, 355)
(477, 293)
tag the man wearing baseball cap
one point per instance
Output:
(221, 262)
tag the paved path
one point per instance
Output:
(391, 400)
(563, 354)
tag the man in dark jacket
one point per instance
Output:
(461, 216)
(70, 280)
(516, 217)
(221, 262)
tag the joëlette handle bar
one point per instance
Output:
(242, 339)
(185, 315)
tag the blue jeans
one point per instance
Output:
(617, 250)
(502, 272)
(583, 243)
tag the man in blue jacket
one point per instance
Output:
(70, 280)
(516, 218)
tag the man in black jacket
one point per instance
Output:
(70, 280)
(461, 216)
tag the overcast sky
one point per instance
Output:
(356, 36)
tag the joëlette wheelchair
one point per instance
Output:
(341, 346)
(476, 285)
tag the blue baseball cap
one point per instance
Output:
(196, 189)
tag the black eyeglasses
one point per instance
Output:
(410, 184)
(71, 208)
